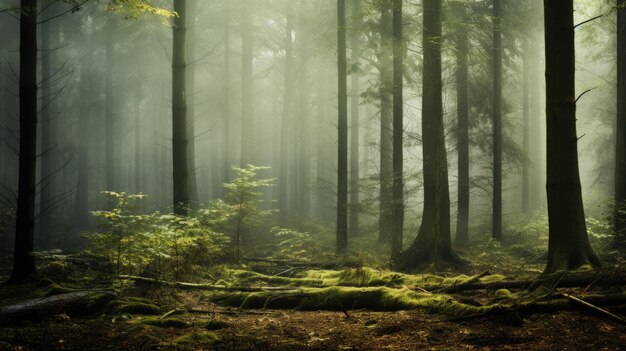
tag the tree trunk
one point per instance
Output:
(302, 130)
(226, 147)
(179, 112)
(398, 129)
(355, 87)
(526, 124)
(433, 239)
(385, 64)
(109, 122)
(620, 131)
(246, 76)
(81, 202)
(190, 72)
(342, 150)
(137, 137)
(497, 120)
(568, 244)
(48, 124)
(462, 103)
(23, 261)
(283, 180)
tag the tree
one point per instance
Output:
(109, 116)
(23, 260)
(246, 84)
(568, 244)
(497, 120)
(433, 239)
(398, 130)
(283, 182)
(619, 222)
(226, 154)
(385, 64)
(462, 105)
(342, 128)
(179, 111)
(355, 94)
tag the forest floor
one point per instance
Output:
(350, 308)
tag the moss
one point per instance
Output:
(195, 339)
(165, 323)
(503, 294)
(132, 308)
(216, 324)
(347, 298)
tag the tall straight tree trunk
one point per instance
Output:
(462, 105)
(137, 137)
(283, 180)
(179, 112)
(526, 124)
(190, 47)
(226, 147)
(620, 131)
(342, 149)
(433, 239)
(497, 120)
(48, 123)
(568, 244)
(385, 63)
(398, 129)
(109, 122)
(246, 84)
(23, 260)
(355, 94)
(81, 202)
(303, 139)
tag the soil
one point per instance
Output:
(324, 330)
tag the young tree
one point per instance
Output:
(23, 260)
(568, 244)
(620, 131)
(433, 239)
(398, 130)
(342, 128)
(497, 120)
(179, 111)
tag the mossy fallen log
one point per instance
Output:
(202, 286)
(73, 303)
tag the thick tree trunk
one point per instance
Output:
(81, 202)
(246, 85)
(620, 130)
(303, 140)
(497, 120)
(462, 103)
(568, 244)
(342, 150)
(398, 129)
(385, 64)
(48, 125)
(355, 98)
(23, 260)
(137, 141)
(433, 240)
(179, 112)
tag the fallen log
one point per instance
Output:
(76, 303)
(201, 286)
(595, 308)
(572, 280)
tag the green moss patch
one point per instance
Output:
(165, 323)
(216, 324)
(133, 308)
(200, 338)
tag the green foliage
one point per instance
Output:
(293, 244)
(156, 244)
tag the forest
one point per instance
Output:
(312, 175)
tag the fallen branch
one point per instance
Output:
(195, 286)
(77, 302)
(594, 308)
(470, 281)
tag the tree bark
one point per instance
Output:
(355, 96)
(342, 150)
(497, 120)
(286, 119)
(619, 221)
(568, 244)
(462, 103)
(23, 260)
(109, 122)
(190, 93)
(433, 239)
(526, 57)
(226, 147)
(398, 129)
(246, 76)
(385, 64)
(179, 112)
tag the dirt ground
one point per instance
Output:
(323, 330)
